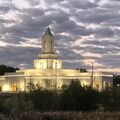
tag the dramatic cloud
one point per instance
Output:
(84, 30)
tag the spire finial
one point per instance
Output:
(48, 31)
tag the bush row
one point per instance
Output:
(71, 98)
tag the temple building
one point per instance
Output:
(49, 72)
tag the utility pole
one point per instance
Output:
(24, 84)
(30, 84)
(56, 76)
(92, 73)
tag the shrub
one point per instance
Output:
(44, 100)
(111, 99)
(76, 97)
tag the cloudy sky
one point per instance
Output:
(85, 31)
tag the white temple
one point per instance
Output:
(49, 72)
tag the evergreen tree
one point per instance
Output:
(4, 69)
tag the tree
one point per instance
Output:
(111, 99)
(116, 80)
(4, 69)
(43, 100)
(18, 103)
(81, 69)
(76, 97)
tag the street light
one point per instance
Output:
(30, 85)
(56, 76)
(92, 67)
(92, 73)
(24, 84)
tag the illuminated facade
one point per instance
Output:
(49, 73)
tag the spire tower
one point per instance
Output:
(48, 42)
(48, 59)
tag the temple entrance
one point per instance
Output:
(106, 84)
(14, 87)
(97, 87)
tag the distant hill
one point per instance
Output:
(4, 69)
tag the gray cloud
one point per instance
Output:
(17, 55)
(33, 2)
(103, 43)
(4, 9)
(104, 32)
(80, 4)
(97, 16)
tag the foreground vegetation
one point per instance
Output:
(61, 116)
(71, 98)
(73, 102)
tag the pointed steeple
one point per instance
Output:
(48, 42)
(48, 32)
(48, 57)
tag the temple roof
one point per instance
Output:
(48, 32)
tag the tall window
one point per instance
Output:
(97, 86)
(106, 84)
(14, 87)
(0, 88)
(41, 65)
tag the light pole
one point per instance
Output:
(24, 84)
(30, 85)
(92, 73)
(56, 76)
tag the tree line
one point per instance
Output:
(5, 68)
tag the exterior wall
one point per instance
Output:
(50, 78)
(11, 80)
(47, 64)
(3, 84)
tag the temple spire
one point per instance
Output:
(48, 59)
(48, 32)
(48, 42)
